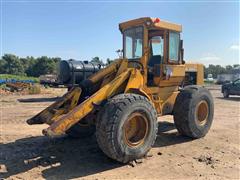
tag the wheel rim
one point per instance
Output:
(202, 112)
(135, 129)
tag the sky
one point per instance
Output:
(82, 30)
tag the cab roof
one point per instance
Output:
(152, 23)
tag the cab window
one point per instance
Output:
(133, 42)
(174, 39)
(157, 45)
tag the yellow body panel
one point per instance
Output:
(176, 77)
(158, 25)
(198, 68)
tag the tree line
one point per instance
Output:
(31, 66)
(218, 69)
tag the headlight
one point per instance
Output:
(148, 23)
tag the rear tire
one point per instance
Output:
(126, 127)
(193, 111)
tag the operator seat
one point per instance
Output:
(154, 60)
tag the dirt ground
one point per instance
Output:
(26, 154)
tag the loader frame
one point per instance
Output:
(122, 76)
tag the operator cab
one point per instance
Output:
(133, 43)
(156, 45)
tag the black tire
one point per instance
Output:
(225, 93)
(111, 127)
(193, 111)
(81, 130)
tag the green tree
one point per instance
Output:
(12, 64)
(2, 64)
(25, 63)
(236, 65)
(31, 62)
(43, 65)
(97, 60)
(229, 69)
(214, 70)
(109, 61)
(56, 61)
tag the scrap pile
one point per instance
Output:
(17, 86)
(13, 85)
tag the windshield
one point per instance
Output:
(133, 42)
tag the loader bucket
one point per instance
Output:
(66, 111)
(64, 104)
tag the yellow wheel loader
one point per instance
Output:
(122, 102)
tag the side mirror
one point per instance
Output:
(120, 53)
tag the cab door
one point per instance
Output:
(173, 71)
(156, 58)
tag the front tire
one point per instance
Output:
(193, 111)
(126, 127)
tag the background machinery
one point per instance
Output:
(121, 102)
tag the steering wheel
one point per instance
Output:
(138, 63)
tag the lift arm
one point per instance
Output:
(65, 121)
